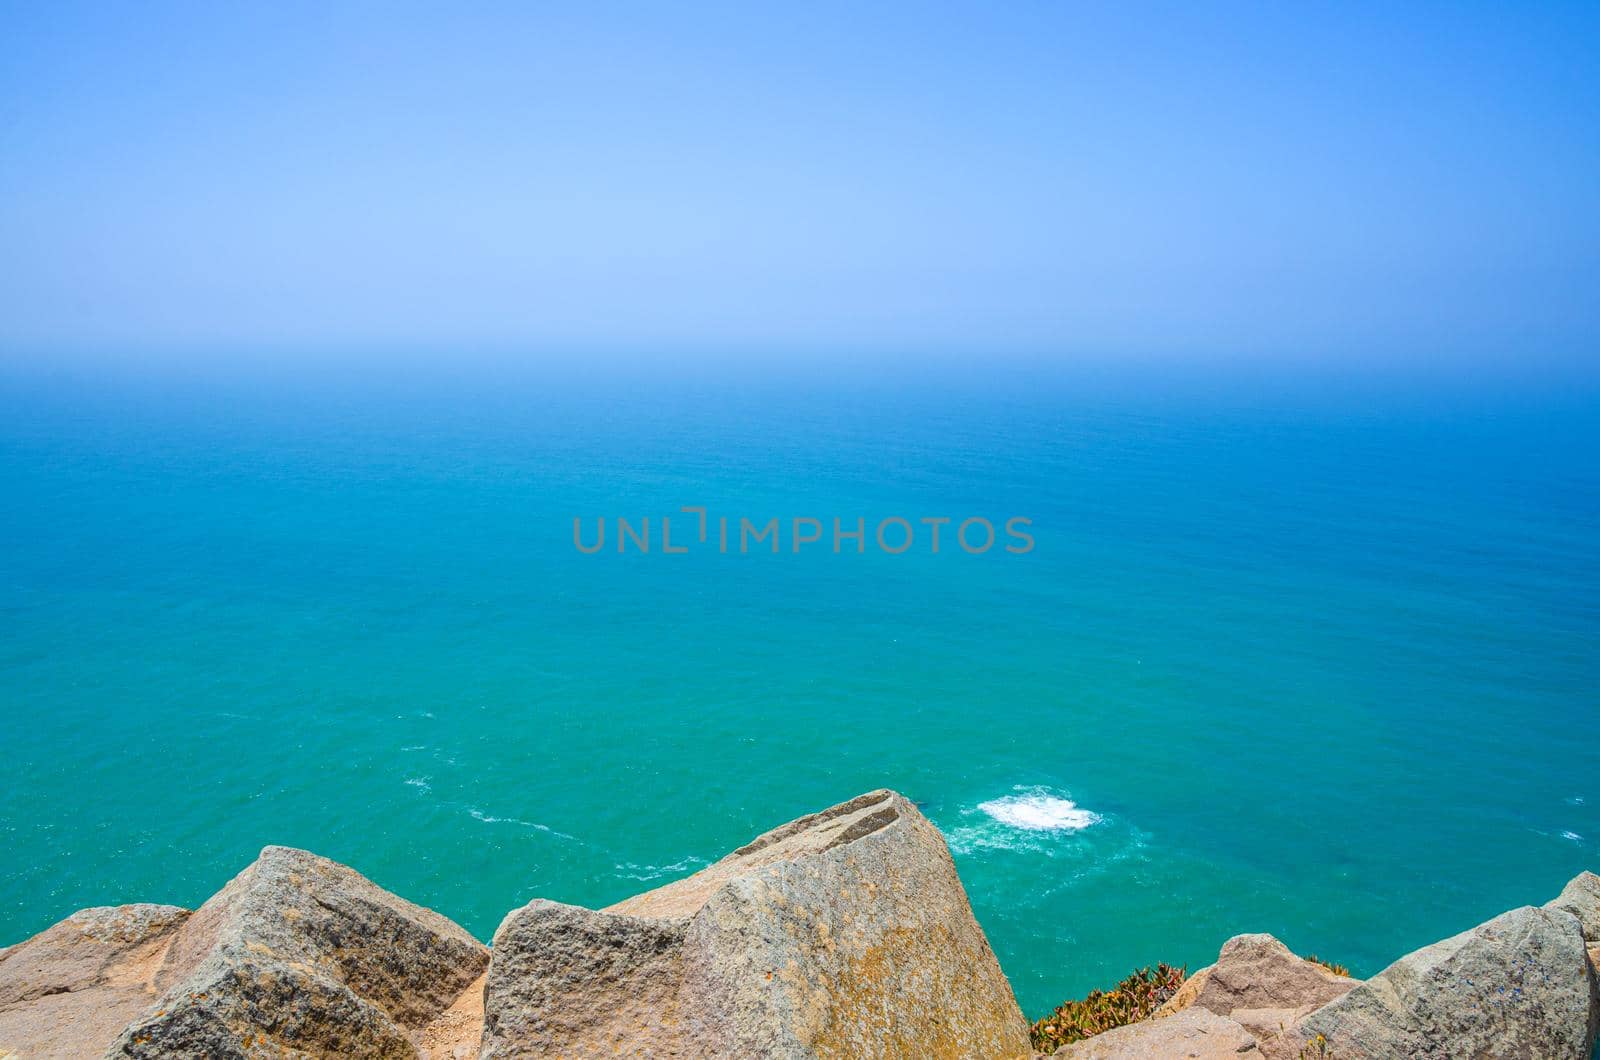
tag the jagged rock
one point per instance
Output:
(1581, 898)
(1195, 1032)
(72, 988)
(300, 954)
(1260, 984)
(456, 1032)
(1259, 972)
(842, 934)
(1187, 992)
(237, 1005)
(1276, 1030)
(1516, 986)
(566, 978)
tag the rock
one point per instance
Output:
(457, 1031)
(1581, 898)
(300, 953)
(592, 983)
(842, 934)
(1516, 986)
(1276, 1030)
(1194, 1032)
(238, 1005)
(1185, 995)
(1261, 985)
(72, 988)
(1259, 972)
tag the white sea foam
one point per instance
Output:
(1036, 810)
(490, 819)
(420, 783)
(1030, 819)
(1574, 836)
(479, 815)
(630, 871)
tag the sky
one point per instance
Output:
(1417, 181)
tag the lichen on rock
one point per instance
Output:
(299, 952)
(845, 933)
(1518, 985)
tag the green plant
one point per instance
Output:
(1317, 1048)
(1131, 1000)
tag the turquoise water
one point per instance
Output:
(1293, 657)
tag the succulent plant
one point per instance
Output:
(1131, 1000)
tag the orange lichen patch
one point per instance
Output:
(869, 1000)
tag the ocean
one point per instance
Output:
(1290, 652)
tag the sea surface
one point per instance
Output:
(1306, 654)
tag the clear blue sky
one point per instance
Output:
(1412, 180)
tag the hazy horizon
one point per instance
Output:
(652, 184)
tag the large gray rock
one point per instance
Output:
(238, 1006)
(301, 956)
(1193, 1033)
(842, 934)
(1517, 986)
(72, 988)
